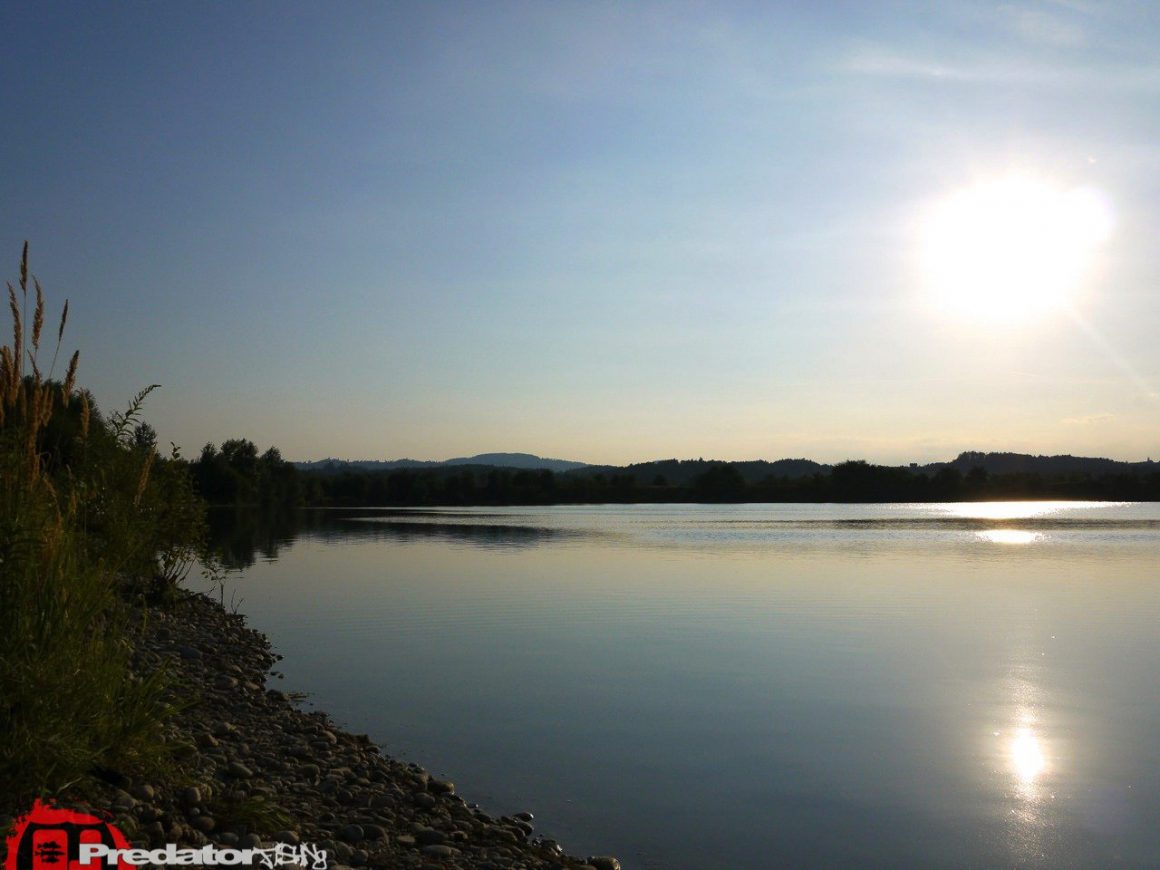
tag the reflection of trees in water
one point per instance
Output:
(485, 535)
(238, 538)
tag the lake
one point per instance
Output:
(749, 686)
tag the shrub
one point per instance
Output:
(89, 515)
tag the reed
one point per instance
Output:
(88, 521)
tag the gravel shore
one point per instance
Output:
(254, 770)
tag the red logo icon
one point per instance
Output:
(50, 839)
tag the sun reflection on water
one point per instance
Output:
(1012, 510)
(1028, 768)
(1027, 756)
(1009, 536)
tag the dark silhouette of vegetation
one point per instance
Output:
(235, 475)
(238, 536)
(673, 481)
(91, 516)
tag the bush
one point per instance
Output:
(89, 516)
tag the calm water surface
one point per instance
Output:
(960, 685)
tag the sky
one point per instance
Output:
(607, 232)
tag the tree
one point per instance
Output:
(144, 437)
(720, 483)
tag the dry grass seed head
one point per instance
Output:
(63, 321)
(17, 328)
(7, 376)
(144, 479)
(70, 377)
(38, 315)
(46, 403)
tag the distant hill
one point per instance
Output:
(518, 460)
(524, 461)
(1024, 463)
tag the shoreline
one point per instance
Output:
(253, 770)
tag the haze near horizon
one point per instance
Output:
(600, 232)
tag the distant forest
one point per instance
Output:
(237, 474)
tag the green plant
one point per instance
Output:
(86, 515)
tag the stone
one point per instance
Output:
(238, 770)
(374, 832)
(441, 786)
(429, 836)
(424, 800)
(442, 852)
(351, 833)
(287, 836)
(310, 771)
(205, 824)
(124, 801)
(143, 792)
(604, 862)
(191, 796)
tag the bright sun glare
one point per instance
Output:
(1026, 756)
(1011, 248)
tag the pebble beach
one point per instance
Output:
(252, 770)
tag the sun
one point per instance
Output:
(1012, 247)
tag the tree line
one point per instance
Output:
(236, 474)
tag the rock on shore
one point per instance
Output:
(254, 769)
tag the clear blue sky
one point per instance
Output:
(598, 231)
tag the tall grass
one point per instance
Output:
(89, 518)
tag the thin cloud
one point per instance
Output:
(881, 61)
(1088, 420)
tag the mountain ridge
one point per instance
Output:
(678, 471)
(524, 461)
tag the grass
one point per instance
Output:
(90, 518)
